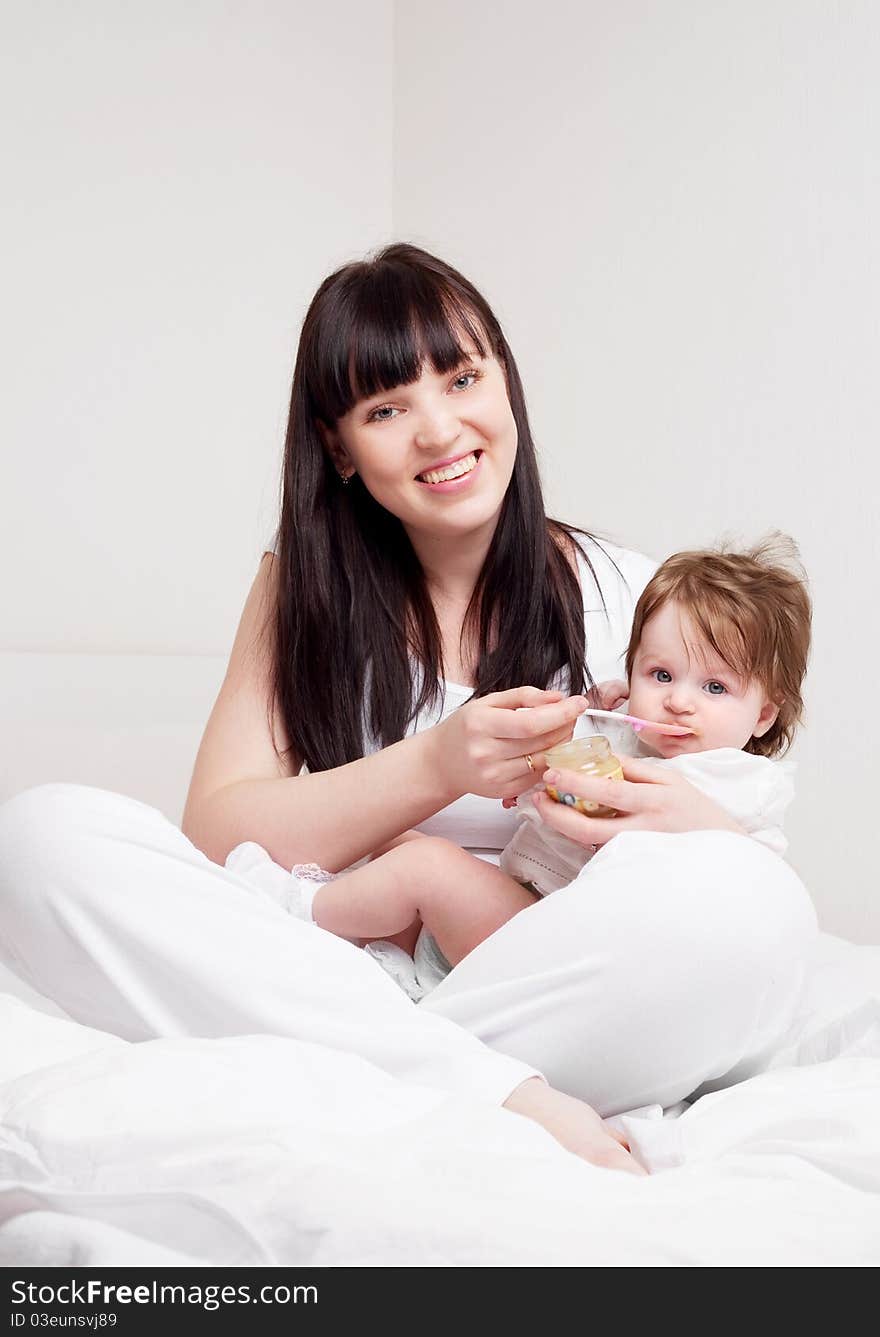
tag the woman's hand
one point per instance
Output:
(576, 1125)
(648, 799)
(482, 747)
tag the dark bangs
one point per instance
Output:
(385, 321)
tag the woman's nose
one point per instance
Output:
(437, 429)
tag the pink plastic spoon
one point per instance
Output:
(673, 730)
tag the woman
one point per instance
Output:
(420, 636)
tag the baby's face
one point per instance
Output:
(678, 679)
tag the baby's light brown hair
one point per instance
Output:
(753, 609)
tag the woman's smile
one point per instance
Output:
(452, 477)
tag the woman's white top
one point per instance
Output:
(482, 825)
(610, 593)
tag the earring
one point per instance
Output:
(345, 479)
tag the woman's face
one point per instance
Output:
(437, 453)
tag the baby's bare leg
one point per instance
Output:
(408, 938)
(460, 899)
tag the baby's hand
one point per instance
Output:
(608, 695)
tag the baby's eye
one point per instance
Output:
(383, 413)
(661, 675)
(715, 688)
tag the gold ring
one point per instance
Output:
(528, 760)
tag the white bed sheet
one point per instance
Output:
(261, 1150)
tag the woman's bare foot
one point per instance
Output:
(575, 1125)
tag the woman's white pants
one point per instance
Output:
(672, 961)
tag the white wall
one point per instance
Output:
(179, 178)
(675, 209)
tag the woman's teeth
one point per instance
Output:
(456, 470)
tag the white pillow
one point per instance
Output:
(855, 1034)
(839, 1010)
(838, 1013)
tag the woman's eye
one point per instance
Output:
(661, 675)
(469, 377)
(715, 688)
(384, 413)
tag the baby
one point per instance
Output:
(719, 646)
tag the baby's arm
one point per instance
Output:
(460, 899)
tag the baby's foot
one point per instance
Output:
(305, 879)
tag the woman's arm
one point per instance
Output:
(241, 791)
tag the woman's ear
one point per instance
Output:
(767, 718)
(334, 447)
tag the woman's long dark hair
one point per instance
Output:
(353, 619)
